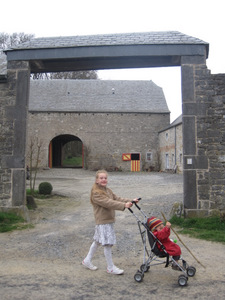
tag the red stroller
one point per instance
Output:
(156, 254)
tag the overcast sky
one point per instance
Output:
(203, 19)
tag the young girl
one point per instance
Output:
(162, 233)
(105, 202)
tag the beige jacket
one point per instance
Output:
(104, 206)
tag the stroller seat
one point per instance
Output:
(153, 245)
(157, 254)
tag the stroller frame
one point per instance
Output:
(154, 255)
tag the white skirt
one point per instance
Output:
(105, 234)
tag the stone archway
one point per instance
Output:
(66, 151)
(203, 182)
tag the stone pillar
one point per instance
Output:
(211, 140)
(14, 106)
(192, 161)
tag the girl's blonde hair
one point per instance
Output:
(95, 187)
(100, 171)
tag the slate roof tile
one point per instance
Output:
(97, 96)
(148, 38)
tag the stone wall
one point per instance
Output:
(209, 126)
(105, 136)
(171, 144)
(211, 140)
(7, 99)
(14, 96)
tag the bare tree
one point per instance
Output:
(33, 156)
(8, 41)
(92, 74)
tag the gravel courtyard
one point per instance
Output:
(44, 262)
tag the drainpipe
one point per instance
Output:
(175, 139)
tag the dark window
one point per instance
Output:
(135, 156)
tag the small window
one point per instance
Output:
(135, 156)
(148, 156)
(167, 136)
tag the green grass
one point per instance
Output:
(37, 195)
(210, 229)
(73, 161)
(28, 191)
(10, 222)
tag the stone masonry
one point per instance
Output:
(97, 112)
(105, 136)
(205, 162)
(13, 116)
(211, 140)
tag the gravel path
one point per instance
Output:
(44, 262)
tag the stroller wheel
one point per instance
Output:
(138, 276)
(191, 271)
(144, 268)
(182, 280)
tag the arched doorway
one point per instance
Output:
(66, 151)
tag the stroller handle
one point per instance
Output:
(135, 202)
(135, 205)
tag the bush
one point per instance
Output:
(45, 188)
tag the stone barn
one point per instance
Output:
(111, 124)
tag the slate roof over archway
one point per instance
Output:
(108, 51)
(113, 96)
(143, 38)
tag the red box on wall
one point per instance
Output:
(126, 156)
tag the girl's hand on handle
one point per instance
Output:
(136, 200)
(128, 204)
